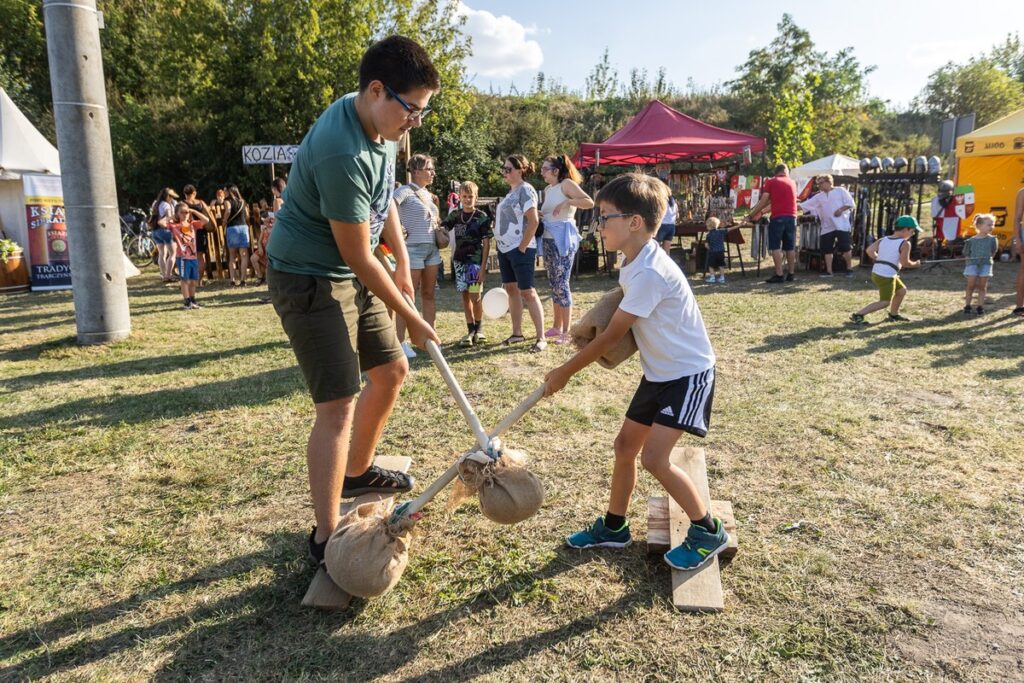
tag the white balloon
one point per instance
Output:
(495, 303)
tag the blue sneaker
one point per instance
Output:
(699, 547)
(600, 536)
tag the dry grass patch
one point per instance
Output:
(153, 502)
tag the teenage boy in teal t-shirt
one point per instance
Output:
(328, 289)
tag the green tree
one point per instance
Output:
(24, 71)
(789, 75)
(979, 86)
(790, 128)
(603, 80)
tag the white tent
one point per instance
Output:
(23, 149)
(835, 164)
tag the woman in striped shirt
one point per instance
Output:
(420, 219)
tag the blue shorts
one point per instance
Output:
(237, 236)
(782, 232)
(978, 270)
(188, 269)
(422, 255)
(162, 236)
(666, 232)
(518, 267)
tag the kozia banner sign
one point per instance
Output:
(268, 154)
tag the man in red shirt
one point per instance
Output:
(780, 193)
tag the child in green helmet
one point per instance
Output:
(891, 254)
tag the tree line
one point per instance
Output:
(189, 82)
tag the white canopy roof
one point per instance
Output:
(835, 164)
(23, 149)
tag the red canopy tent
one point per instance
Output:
(659, 133)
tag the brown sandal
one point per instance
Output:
(538, 346)
(514, 339)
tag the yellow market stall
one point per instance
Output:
(991, 159)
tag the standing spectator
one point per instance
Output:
(715, 241)
(236, 235)
(517, 249)
(780, 194)
(1018, 241)
(471, 245)
(667, 231)
(833, 207)
(420, 218)
(162, 212)
(979, 252)
(187, 223)
(561, 238)
(202, 234)
(217, 207)
(277, 189)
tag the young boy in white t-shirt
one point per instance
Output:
(678, 384)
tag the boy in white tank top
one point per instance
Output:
(890, 255)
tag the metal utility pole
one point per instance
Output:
(87, 170)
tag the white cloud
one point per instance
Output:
(500, 45)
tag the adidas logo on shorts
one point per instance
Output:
(667, 410)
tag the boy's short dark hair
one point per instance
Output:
(188, 189)
(400, 63)
(635, 193)
(781, 168)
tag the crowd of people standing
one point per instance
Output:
(186, 229)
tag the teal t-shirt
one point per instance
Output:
(338, 173)
(980, 250)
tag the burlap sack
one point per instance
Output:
(364, 556)
(593, 323)
(508, 492)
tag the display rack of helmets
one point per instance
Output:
(886, 189)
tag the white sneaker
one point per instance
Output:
(709, 279)
(408, 350)
(721, 279)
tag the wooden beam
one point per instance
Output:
(324, 593)
(658, 532)
(699, 590)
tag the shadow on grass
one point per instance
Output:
(140, 366)
(954, 338)
(263, 632)
(170, 402)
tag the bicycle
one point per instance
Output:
(137, 239)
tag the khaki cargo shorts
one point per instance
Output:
(337, 328)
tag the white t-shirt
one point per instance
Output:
(824, 206)
(670, 212)
(511, 217)
(669, 329)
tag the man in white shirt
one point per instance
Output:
(833, 207)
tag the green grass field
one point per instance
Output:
(154, 504)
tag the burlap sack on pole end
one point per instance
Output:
(508, 492)
(364, 556)
(595, 321)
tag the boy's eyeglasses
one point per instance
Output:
(602, 220)
(413, 112)
(507, 169)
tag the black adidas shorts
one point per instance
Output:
(683, 403)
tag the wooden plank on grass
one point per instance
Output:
(324, 593)
(658, 537)
(699, 590)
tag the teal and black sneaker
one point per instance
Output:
(600, 536)
(699, 547)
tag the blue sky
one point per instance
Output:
(705, 42)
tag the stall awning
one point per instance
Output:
(659, 133)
